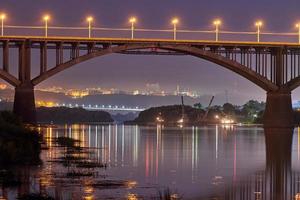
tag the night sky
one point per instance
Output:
(129, 72)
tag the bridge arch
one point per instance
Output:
(234, 66)
(293, 84)
(9, 78)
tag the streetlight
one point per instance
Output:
(298, 26)
(174, 22)
(2, 16)
(258, 24)
(217, 23)
(89, 20)
(46, 18)
(132, 20)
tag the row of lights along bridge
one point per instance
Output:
(217, 23)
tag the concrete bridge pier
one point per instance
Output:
(24, 103)
(279, 112)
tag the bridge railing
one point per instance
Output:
(144, 33)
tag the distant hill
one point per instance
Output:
(146, 101)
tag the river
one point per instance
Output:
(137, 162)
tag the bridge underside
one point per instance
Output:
(271, 66)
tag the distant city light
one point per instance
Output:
(227, 121)
(159, 119)
(180, 121)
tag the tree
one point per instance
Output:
(253, 107)
(198, 105)
(229, 109)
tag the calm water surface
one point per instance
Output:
(213, 162)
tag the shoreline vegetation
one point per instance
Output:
(19, 144)
(20, 148)
(249, 113)
(62, 115)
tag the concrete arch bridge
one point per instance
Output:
(274, 67)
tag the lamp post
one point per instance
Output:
(258, 24)
(174, 22)
(132, 20)
(89, 20)
(298, 26)
(217, 23)
(3, 16)
(46, 18)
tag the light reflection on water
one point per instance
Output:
(211, 162)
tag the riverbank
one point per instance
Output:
(62, 115)
(18, 144)
(20, 149)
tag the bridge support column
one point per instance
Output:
(279, 112)
(24, 103)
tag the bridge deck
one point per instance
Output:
(148, 41)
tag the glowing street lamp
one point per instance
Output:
(2, 16)
(217, 23)
(174, 22)
(46, 19)
(132, 20)
(258, 24)
(90, 20)
(298, 26)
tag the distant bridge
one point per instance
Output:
(103, 107)
(273, 66)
